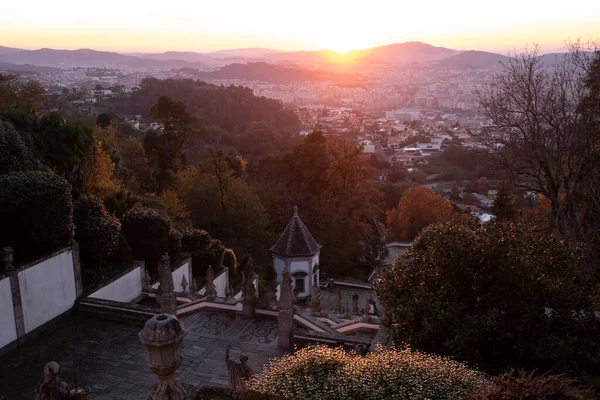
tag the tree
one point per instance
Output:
(16, 152)
(496, 295)
(30, 95)
(147, 232)
(97, 231)
(504, 207)
(223, 204)
(36, 211)
(546, 134)
(99, 179)
(64, 146)
(419, 207)
(103, 121)
(164, 146)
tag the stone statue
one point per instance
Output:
(347, 312)
(338, 302)
(146, 281)
(323, 309)
(314, 298)
(355, 304)
(211, 290)
(52, 387)
(238, 372)
(166, 299)
(367, 308)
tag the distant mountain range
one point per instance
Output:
(212, 63)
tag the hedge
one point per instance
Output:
(36, 210)
(147, 233)
(96, 230)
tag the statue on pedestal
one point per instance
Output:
(238, 372)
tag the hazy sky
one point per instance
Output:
(199, 25)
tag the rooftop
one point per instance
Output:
(296, 240)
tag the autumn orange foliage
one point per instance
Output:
(419, 207)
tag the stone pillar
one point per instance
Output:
(249, 291)
(285, 318)
(166, 299)
(314, 298)
(211, 291)
(15, 289)
(162, 335)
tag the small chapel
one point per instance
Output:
(298, 252)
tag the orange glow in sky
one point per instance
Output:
(204, 25)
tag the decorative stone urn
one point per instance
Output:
(163, 335)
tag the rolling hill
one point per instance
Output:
(473, 59)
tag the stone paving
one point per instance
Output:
(109, 357)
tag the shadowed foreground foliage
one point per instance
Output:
(523, 386)
(497, 296)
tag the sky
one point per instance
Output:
(341, 25)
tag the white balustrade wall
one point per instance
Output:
(8, 327)
(47, 289)
(125, 288)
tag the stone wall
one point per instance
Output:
(125, 287)
(8, 328)
(33, 294)
(47, 289)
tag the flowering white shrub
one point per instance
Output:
(320, 372)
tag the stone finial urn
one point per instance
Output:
(162, 335)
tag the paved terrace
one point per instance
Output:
(109, 357)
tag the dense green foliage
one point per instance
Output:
(495, 295)
(174, 244)
(334, 188)
(321, 372)
(528, 386)
(233, 108)
(96, 230)
(36, 211)
(147, 233)
(16, 153)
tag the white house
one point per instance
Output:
(297, 251)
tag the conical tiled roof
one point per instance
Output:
(296, 240)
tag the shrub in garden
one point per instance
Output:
(36, 211)
(174, 244)
(480, 294)
(320, 372)
(96, 230)
(15, 151)
(147, 233)
(195, 242)
(523, 386)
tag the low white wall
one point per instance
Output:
(221, 283)
(8, 329)
(47, 289)
(124, 289)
